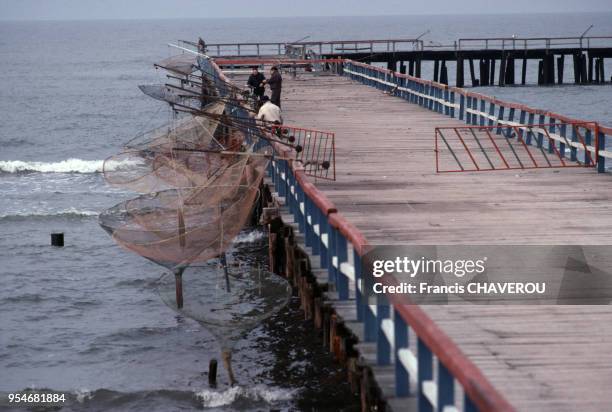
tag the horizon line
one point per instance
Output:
(301, 16)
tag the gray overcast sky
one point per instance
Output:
(147, 9)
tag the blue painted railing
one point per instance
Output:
(481, 110)
(341, 247)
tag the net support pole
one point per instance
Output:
(227, 361)
(178, 282)
(223, 260)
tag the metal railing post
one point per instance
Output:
(342, 281)
(446, 388)
(601, 145)
(361, 308)
(383, 346)
(424, 374)
(402, 379)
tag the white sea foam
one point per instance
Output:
(250, 237)
(82, 395)
(71, 212)
(262, 393)
(64, 166)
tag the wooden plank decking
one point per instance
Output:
(553, 358)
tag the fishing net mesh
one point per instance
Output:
(180, 226)
(198, 179)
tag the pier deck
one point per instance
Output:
(555, 358)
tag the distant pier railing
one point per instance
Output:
(490, 60)
(480, 110)
(527, 43)
(302, 48)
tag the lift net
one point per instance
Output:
(198, 179)
(165, 157)
(178, 227)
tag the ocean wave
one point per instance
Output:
(258, 393)
(64, 166)
(106, 399)
(167, 399)
(67, 213)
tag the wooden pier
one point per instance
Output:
(539, 358)
(451, 358)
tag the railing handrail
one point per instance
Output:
(534, 38)
(311, 43)
(517, 43)
(466, 93)
(521, 43)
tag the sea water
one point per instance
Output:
(86, 319)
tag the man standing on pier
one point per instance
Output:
(255, 82)
(276, 84)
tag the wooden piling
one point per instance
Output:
(411, 67)
(502, 71)
(509, 76)
(483, 73)
(435, 70)
(212, 373)
(272, 251)
(590, 73)
(354, 374)
(551, 69)
(289, 256)
(459, 76)
(318, 314)
(417, 70)
(473, 74)
(178, 286)
(545, 70)
(583, 68)
(491, 67)
(524, 72)
(541, 72)
(560, 68)
(333, 320)
(57, 239)
(443, 73)
(576, 58)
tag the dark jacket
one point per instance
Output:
(275, 81)
(255, 81)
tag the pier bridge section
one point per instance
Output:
(387, 191)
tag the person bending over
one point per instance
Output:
(269, 112)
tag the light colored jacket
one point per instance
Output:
(270, 113)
